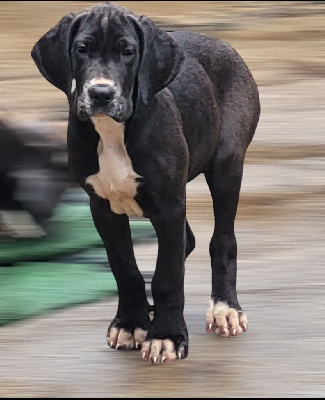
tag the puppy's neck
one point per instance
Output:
(108, 128)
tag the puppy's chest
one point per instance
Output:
(116, 179)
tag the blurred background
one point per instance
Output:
(52, 264)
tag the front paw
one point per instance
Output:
(224, 320)
(122, 335)
(162, 347)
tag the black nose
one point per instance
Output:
(101, 94)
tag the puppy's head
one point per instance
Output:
(105, 58)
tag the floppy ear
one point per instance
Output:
(51, 54)
(161, 59)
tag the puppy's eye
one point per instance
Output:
(82, 50)
(128, 52)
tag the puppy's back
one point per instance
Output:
(220, 60)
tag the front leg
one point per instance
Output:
(129, 328)
(167, 339)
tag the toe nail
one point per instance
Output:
(117, 346)
(234, 332)
(136, 345)
(111, 344)
(144, 355)
(179, 355)
(210, 327)
(163, 359)
(155, 360)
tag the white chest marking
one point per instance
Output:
(116, 179)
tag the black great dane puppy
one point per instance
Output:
(149, 112)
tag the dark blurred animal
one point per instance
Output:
(33, 176)
(150, 111)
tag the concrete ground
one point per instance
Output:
(280, 231)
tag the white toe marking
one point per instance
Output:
(160, 348)
(156, 346)
(228, 320)
(125, 339)
(140, 335)
(243, 321)
(120, 338)
(169, 346)
(145, 350)
(112, 336)
(221, 308)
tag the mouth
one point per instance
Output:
(115, 110)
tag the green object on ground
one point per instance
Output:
(73, 231)
(66, 268)
(30, 289)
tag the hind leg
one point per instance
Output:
(225, 316)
